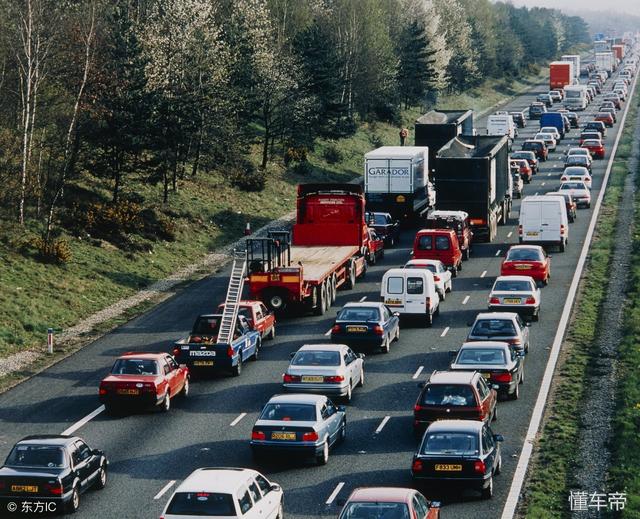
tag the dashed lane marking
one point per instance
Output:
(164, 489)
(237, 420)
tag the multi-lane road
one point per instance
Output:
(151, 453)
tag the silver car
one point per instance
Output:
(516, 294)
(501, 326)
(330, 369)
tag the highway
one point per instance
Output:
(150, 453)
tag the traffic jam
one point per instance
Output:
(431, 283)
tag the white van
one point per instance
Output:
(502, 125)
(543, 221)
(411, 292)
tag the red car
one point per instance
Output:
(144, 380)
(596, 148)
(585, 136)
(376, 247)
(527, 260)
(538, 147)
(439, 244)
(258, 317)
(389, 502)
(523, 168)
(606, 118)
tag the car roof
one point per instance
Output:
(485, 344)
(143, 355)
(323, 347)
(453, 214)
(518, 247)
(456, 426)
(434, 231)
(514, 278)
(48, 439)
(298, 398)
(215, 479)
(452, 377)
(378, 212)
(377, 494)
(496, 315)
(423, 262)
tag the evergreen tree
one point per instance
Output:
(416, 71)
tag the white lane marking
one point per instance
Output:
(535, 194)
(328, 332)
(484, 273)
(548, 174)
(362, 299)
(444, 332)
(237, 420)
(464, 301)
(80, 423)
(382, 424)
(509, 510)
(509, 235)
(417, 373)
(542, 184)
(498, 252)
(335, 493)
(164, 489)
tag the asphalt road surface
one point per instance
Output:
(152, 452)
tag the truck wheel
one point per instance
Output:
(276, 301)
(429, 320)
(272, 333)
(321, 305)
(372, 258)
(351, 275)
(466, 254)
(334, 288)
(326, 286)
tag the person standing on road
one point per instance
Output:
(404, 133)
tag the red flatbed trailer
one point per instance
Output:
(328, 250)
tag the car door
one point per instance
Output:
(550, 219)
(484, 396)
(81, 459)
(169, 376)
(259, 503)
(271, 502)
(269, 318)
(415, 298)
(245, 504)
(178, 376)
(347, 361)
(330, 419)
(524, 330)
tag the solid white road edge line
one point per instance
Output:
(238, 418)
(444, 332)
(417, 373)
(164, 489)
(362, 299)
(80, 423)
(464, 301)
(509, 510)
(382, 424)
(335, 493)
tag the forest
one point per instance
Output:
(99, 98)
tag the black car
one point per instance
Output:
(519, 118)
(371, 325)
(385, 226)
(462, 453)
(546, 99)
(529, 156)
(574, 120)
(536, 110)
(53, 469)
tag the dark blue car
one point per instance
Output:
(368, 325)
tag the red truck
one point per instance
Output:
(560, 74)
(618, 51)
(328, 249)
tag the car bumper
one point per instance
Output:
(219, 363)
(131, 401)
(295, 449)
(353, 340)
(476, 483)
(582, 202)
(527, 310)
(320, 389)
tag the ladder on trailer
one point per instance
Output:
(234, 294)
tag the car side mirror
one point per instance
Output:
(275, 487)
(292, 354)
(434, 504)
(341, 501)
(453, 353)
(97, 452)
(421, 385)
(528, 325)
(498, 437)
(396, 314)
(342, 408)
(495, 386)
(361, 355)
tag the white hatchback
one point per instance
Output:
(441, 274)
(548, 138)
(579, 191)
(225, 492)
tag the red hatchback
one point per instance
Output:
(144, 380)
(380, 502)
(595, 147)
(527, 260)
(439, 244)
(258, 317)
(606, 118)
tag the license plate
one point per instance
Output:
(523, 267)
(283, 436)
(511, 301)
(312, 378)
(448, 468)
(392, 302)
(532, 233)
(203, 363)
(24, 488)
(357, 329)
(128, 391)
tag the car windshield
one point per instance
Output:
(201, 504)
(494, 328)
(50, 456)
(448, 394)
(316, 358)
(378, 218)
(377, 510)
(531, 145)
(135, 367)
(289, 412)
(359, 314)
(504, 285)
(459, 443)
(206, 326)
(577, 152)
(523, 255)
(576, 170)
(475, 355)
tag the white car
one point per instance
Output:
(579, 173)
(579, 192)
(578, 151)
(515, 294)
(548, 139)
(441, 274)
(225, 492)
(552, 130)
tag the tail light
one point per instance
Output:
(103, 389)
(417, 408)
(53, 488)
(378, 330)
(428, 303)
(310, 437)
(417, 466)
(502, 377)
(436, 278)
(530, 301)
(520, 230)
(230, 352)
(563, 229)
(336, 328)
(334, 379)
(258, 435)
(514, 341)
(286, 378)
(176, 352)
(494, 301)
(479, 467)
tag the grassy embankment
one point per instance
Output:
(207, 213)
(551, 476)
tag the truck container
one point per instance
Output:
(396, 181)
(501, 124)
(618, 50)
(575, 97)
(604, 61)
(437, 127)
(560, 74)
(601, 46)
(472, 175)
(575, 59)
(327, 250)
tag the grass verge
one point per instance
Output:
(550, 475)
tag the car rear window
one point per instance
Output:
(202, 504)
(206, 326)
(458, 443)
(415, 286)
(36, 456)
(425, 243)
(135, 367)
(359, 314)
(289, 412)
(448, 394)
(378, 219)
(494, 328)
(512, 286)
(377, 510)
(592, 143)
(316, 358)
(442, 243)
(523, 255)
(475, 355)
(573, 185)
(395, 285)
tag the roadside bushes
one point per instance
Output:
(245, 176)
(53, 250)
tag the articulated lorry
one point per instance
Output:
(575, 59)
(472, 175)
(605, 61)
(561, 74)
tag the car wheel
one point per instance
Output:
(361, 381)
(74, 503)
(237, 369)
(545, 281)
(165, 406)
(521, 381)
(498, 467)
(429, 320)
(101, 480)
(272, 333)
(450, 286)
(343, 432)
(487, 493)
(454, 272)
(351, 278)
(516, 393)
(460, 266)
(323, 457)
(495, 414)
(397, 337)
(185, 388)
(441, 295)
(256, 355)
(563, 246)
(386, 346)
(372, 258)
(349, 394)
(536, 316)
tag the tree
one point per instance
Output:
(416, 71)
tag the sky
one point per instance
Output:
(628, 6)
